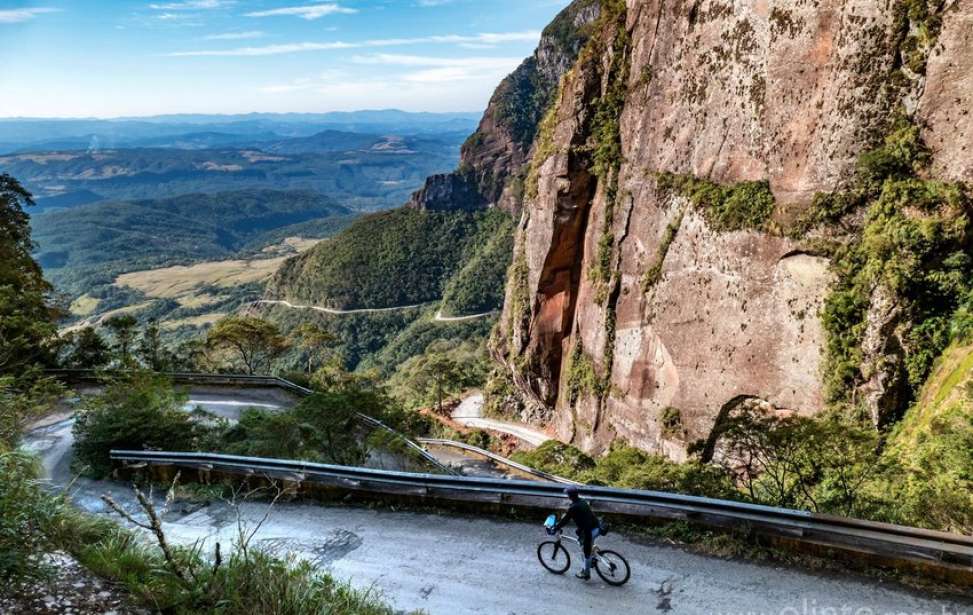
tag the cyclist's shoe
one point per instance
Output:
(583, 574)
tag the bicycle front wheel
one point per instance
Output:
(612, 568)
(554, 556)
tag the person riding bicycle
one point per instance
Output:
(589, 527)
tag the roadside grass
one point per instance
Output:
(247, 582)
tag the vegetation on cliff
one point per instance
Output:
(916, 245)
(740, 206)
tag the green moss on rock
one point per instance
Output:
(741, 206)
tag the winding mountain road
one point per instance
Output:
(469, 413)
(336, 312)
(440, 318)
(450, 564)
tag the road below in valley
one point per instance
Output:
(469, 413)
(337, 312)
(334, 311)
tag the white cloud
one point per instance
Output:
(456, 39)
(235, 36)
(436, 70)
(409, 60)
(191, 5)
(486, 38)
(20, 15)
(269, 50)
(308, 12)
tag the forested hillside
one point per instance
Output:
(86, 247)
(403, 257)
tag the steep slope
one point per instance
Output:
(397, 258)
(733, 203)
(451, 245)
(493, 159)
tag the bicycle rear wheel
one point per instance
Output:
(554, 556)
(612, 568)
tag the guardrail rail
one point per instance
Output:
(901, 543)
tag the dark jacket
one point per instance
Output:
(580, 512)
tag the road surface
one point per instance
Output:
(450, 565)
(469, 413)
(327, 310)
(438, 317)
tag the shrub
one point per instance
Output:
(139, 412)
(24, 509)
(744, 205)
(556, 458)
(629, 467)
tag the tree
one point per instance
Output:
(825, 464)
(122, 327)
(86, 350)
(434, 375)
(444, 369)
(151, 351)
(315, 341)
(254, 341)
(26, 319)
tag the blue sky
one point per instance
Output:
(110, 58)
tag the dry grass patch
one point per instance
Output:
(84, 305)
(181, 281)
(201, 320)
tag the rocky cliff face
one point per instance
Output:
(659, 280)
(492, 160)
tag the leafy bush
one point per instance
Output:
(323, 427)
(629, 467)
(556, 458)
(138, 412)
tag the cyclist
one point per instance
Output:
(589, 527)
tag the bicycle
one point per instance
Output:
(610, 565)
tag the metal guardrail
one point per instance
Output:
(497, 459)
(894, 542)
(88, 375)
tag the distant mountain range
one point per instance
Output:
(195, 131)
(363, 171)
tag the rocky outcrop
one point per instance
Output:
(627, 307)
(492, 160)
(945, 109)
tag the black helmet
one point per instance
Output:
(571, 492)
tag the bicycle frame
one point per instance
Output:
(560, 535)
